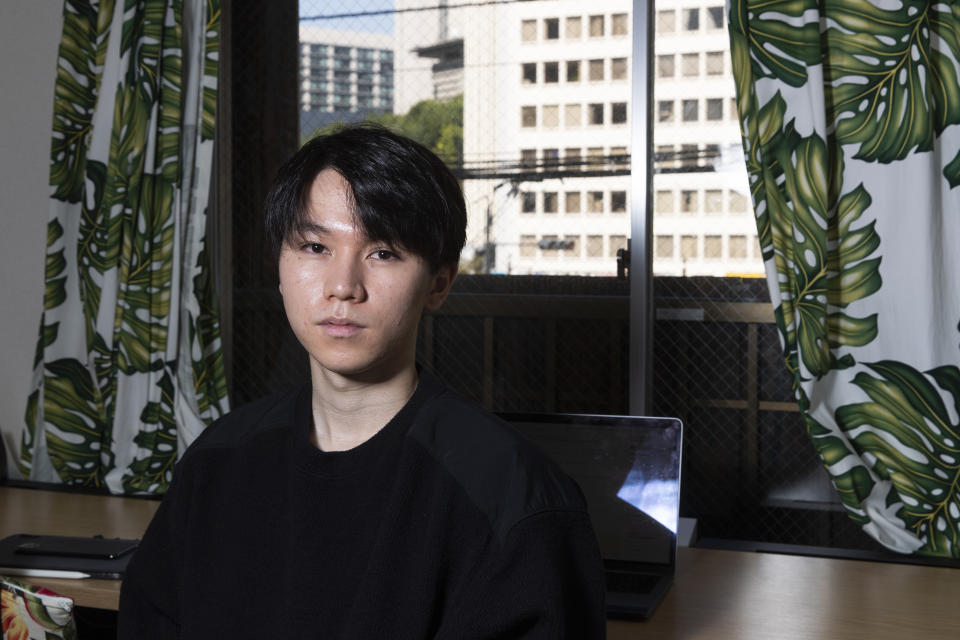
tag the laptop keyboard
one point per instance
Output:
(631, 582)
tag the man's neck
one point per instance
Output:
(347, 412)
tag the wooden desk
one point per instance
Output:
(75, 514)
(717, 594)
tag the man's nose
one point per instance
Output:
(345, 279)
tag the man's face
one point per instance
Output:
(354, 303)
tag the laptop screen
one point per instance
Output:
(629, 470)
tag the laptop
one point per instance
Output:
(629, 470)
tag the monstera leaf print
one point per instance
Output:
(158, 436)
(779, 37)
(909, 436)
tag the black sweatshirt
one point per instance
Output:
(445, 524)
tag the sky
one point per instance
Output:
(376, 24)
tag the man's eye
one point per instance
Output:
(384, 254)
(314, 247)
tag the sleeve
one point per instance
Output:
(148, 595)
(545, 581)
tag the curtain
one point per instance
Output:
(128, 366)
(848, 110)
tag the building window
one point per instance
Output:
(574, 243)
(551, 72)
(691, 19)
(688, 248)
(618, 112)
(712, 247)
(666, 66)
(528, 158)
(713, 201)
(690, 65)
(529, 73)
(617, 243)
(594, 246)
(689, 201)
(551, 28)
(596, 70)
(737, 246)
(663, 246)
(528, 246)
(595, 201)
(666, 21)
(596, 26)
(665, 155)
(573, 71)
(571, 202)
(547, 241)
(714, 63)
(689, 155)
(714, 109)
(690, 111)
(620, 158)
(572, 158)
(618, 201)
(665, 111)
(574, 28)
(595, 157)
(664, 201)
(715, 17)
(528, 116)
(619, 24)
(738, 202)
(549, 201)
(618, 69)
(551, 158)
(596, 113)
(528, 30)
(528, 202)
(572, 115)
(551, 115)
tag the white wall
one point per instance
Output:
(29, 36)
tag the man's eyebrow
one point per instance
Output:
(312, 228)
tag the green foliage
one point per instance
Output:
(915, 444)
(780, 41)
(158, 435)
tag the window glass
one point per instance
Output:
(714, 63)
(688, 247)
(666, 65)
(549, 201)
(596, 70)
(551, 28)
(574, 28)
(690, 110)
(529, 201)
(617, 242)
(573, 71)
(713, 200)
(594, 246)
(529, 73)
(551, 115)
(689, 201)
(618, 201)
(618, 112)
(528, 30)
(714, 109)
(618, 69)
(666, 21)
(595, 201)
(572, 202)
(715, 18)
(690, 64)
(572, 115)
(663, 246)
(596, 114)
(596, 26)
(665, 111)
(551, 72)
(664, 201)
(712, 247)
(618, 24)
(737, 246)
(691, 19)
(528, 116)
(528, 246)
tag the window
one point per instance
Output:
(549, 201)
(574, 243)
(712, 247)
(594, 246)
(595, 201)
(665, 111)
(574, 28)
(572, 115)
(691, 19)
(551, 157)
(711, 153)
(714, 109)
(618, 112)
(664, 201)
(690, 111)
(528, 158)
(528, 30)
(528, 202)
(573, 71)
(529, 73)
(551, 115)
(620, 158)
(665, 155)
(571, 202)
(528, 246)
(689, 155)
(551, 28)
(528, 116)
(618, 201)
(595, 157)
(738, 202)
(737, 246)
(688, 247)
(617, 243)
(713, 201)
(666, 21)
(666, 66)
(596, 26)
(663, 246)
(551, 72)
(618, 24)
(547, 241)
(715, 18)
(572, 158)
(596, 113)
(690, 65)
(618, 69)
(596, 70)
(714, 63)
(689, 201)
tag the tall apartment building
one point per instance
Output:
(344, 75)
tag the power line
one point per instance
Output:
(385, 12)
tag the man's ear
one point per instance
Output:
(440, 285)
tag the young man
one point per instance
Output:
(373, 502)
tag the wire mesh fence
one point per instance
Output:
(528, 102)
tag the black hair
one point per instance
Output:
(403, 194)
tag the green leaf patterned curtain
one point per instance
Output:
(849, 111)
(128, 367)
